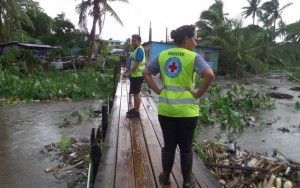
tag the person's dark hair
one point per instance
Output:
(179, 34)
(137, 37)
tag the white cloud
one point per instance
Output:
(162, 14)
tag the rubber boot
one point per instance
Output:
(186, 161)
(167, 159)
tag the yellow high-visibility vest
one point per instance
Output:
(177, 69)
(140, 68)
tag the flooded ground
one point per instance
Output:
(25, 129)
(265, 136)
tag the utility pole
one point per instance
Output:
(166, 34)
(150, 33)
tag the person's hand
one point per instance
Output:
(125, 74)
(159, 91)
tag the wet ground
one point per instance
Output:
(265, 136)
(25, 129)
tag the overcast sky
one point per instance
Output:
(163, 14)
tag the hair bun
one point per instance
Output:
(173, 33)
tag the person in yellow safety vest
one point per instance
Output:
(178, 108)
(134, 71)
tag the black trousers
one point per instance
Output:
(178, 131)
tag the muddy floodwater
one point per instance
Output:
(25, 129)
(264, 135)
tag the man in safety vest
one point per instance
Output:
(136, 65)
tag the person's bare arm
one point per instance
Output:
(208, 76)
(150, 81)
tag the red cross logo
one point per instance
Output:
(173, 67)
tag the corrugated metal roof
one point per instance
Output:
(35, 45)
(117, 41)
(27, 45)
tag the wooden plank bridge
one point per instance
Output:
(131, 156)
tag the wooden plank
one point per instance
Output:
(202, 175)
(124, 167)
(106, 170)
(132, 153)
(142, 166)
(177, 177)
(154, 147)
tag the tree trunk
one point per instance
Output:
(96, 12)
(92, 42)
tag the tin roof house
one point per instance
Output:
(39, 50)
(114, 43)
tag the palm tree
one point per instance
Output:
(253, 10)
(11, 17)
(212, 20)
(293, 32)
(97, 9)
(239, 47)
(272, 12)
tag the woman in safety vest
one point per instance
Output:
(178, 108)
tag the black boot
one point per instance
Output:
(167, 159)
(186, 161)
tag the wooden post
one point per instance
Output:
(95, 152)
(104, 120)
(110, 105)
(115, 80)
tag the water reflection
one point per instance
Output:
(27, 128)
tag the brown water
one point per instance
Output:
(26, 128)
(264, 136)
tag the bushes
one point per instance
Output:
(19, 60)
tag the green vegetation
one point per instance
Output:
(48, 85)
(64, 141)
(267, 42)
(254, 48)
(231, 107)
(23, 78)
(284, 130)
(91, 112)
(297, 105)
(65, 123)
(87, 8)
(78, 114)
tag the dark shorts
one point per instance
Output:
(135, 85)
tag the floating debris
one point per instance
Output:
(241, 168)
(280, 95)
(295, 89)
(73, 161)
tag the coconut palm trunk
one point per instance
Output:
(96, 12)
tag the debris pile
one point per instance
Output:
(73, 161)
(234, 167)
